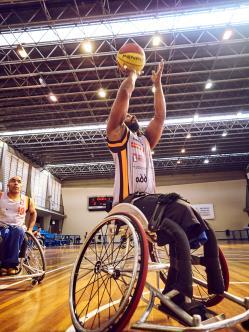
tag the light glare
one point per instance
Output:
(102, 93)
(227, 34)
(87, 47)
(22, 52)
(208, 85)
(53, 97)
(224, 134)
(156, 40)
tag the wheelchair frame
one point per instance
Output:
(115, 273)
(32, 266)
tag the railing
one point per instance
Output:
(233, 234)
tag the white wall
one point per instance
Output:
(227, 196)
(78, 219)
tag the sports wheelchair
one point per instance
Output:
(32, 264)
(108, 280)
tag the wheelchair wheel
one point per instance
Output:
(161, 255)
(34, 260)
(108, 278)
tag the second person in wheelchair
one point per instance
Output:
(172, 218)
(13, 208)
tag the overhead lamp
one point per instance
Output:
(102, 93)
(21, 51)
(153, 89)
(213, 148)
(188, 135)
(178, 161)
(42, 81)
(224, 134)
(196, 117)
(209, 84)
(227, 34)
(52, 97)
(206, 161)
(152, 152)
(156, 40)
(87, 46)
(239, 114)
(183, 150)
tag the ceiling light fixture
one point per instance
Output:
(21, 51)
(153, 89)
(87, 46)
(224, 134)
(196, 117)
(206, 161)
(208, 85)
(52, 97)
(227, 34)
(183, 150)
(156, 40)
(178, 161)
(188, 135)
(42, 82)
(213, 148)
(102, 93)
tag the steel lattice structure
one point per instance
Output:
(192, 57)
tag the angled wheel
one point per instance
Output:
(108, 277)
(161, 255)
(34, 260)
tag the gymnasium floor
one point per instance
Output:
(45, 307)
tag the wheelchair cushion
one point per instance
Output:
(196, 243)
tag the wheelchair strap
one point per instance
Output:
(162, 202)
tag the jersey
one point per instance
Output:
(13, 212)
(134, 169)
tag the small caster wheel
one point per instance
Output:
(245, 324)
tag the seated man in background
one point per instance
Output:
(135, 182)
(39, 236)
(13, 208)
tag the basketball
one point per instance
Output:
(132, 57)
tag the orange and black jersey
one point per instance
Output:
(134, 170)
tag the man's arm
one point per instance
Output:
(155, 128)
(115, 124)
(32, 216)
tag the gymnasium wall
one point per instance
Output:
(227, 191)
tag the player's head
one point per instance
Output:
(15, 184)
(132, 123)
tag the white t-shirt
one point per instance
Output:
(12, 212)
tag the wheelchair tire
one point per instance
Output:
(160, 255)
(107, 280)
(34, 261)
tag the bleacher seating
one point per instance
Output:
(52, 239)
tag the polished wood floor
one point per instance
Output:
(45, 307)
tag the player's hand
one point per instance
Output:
(127, 72)
(157, 75)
